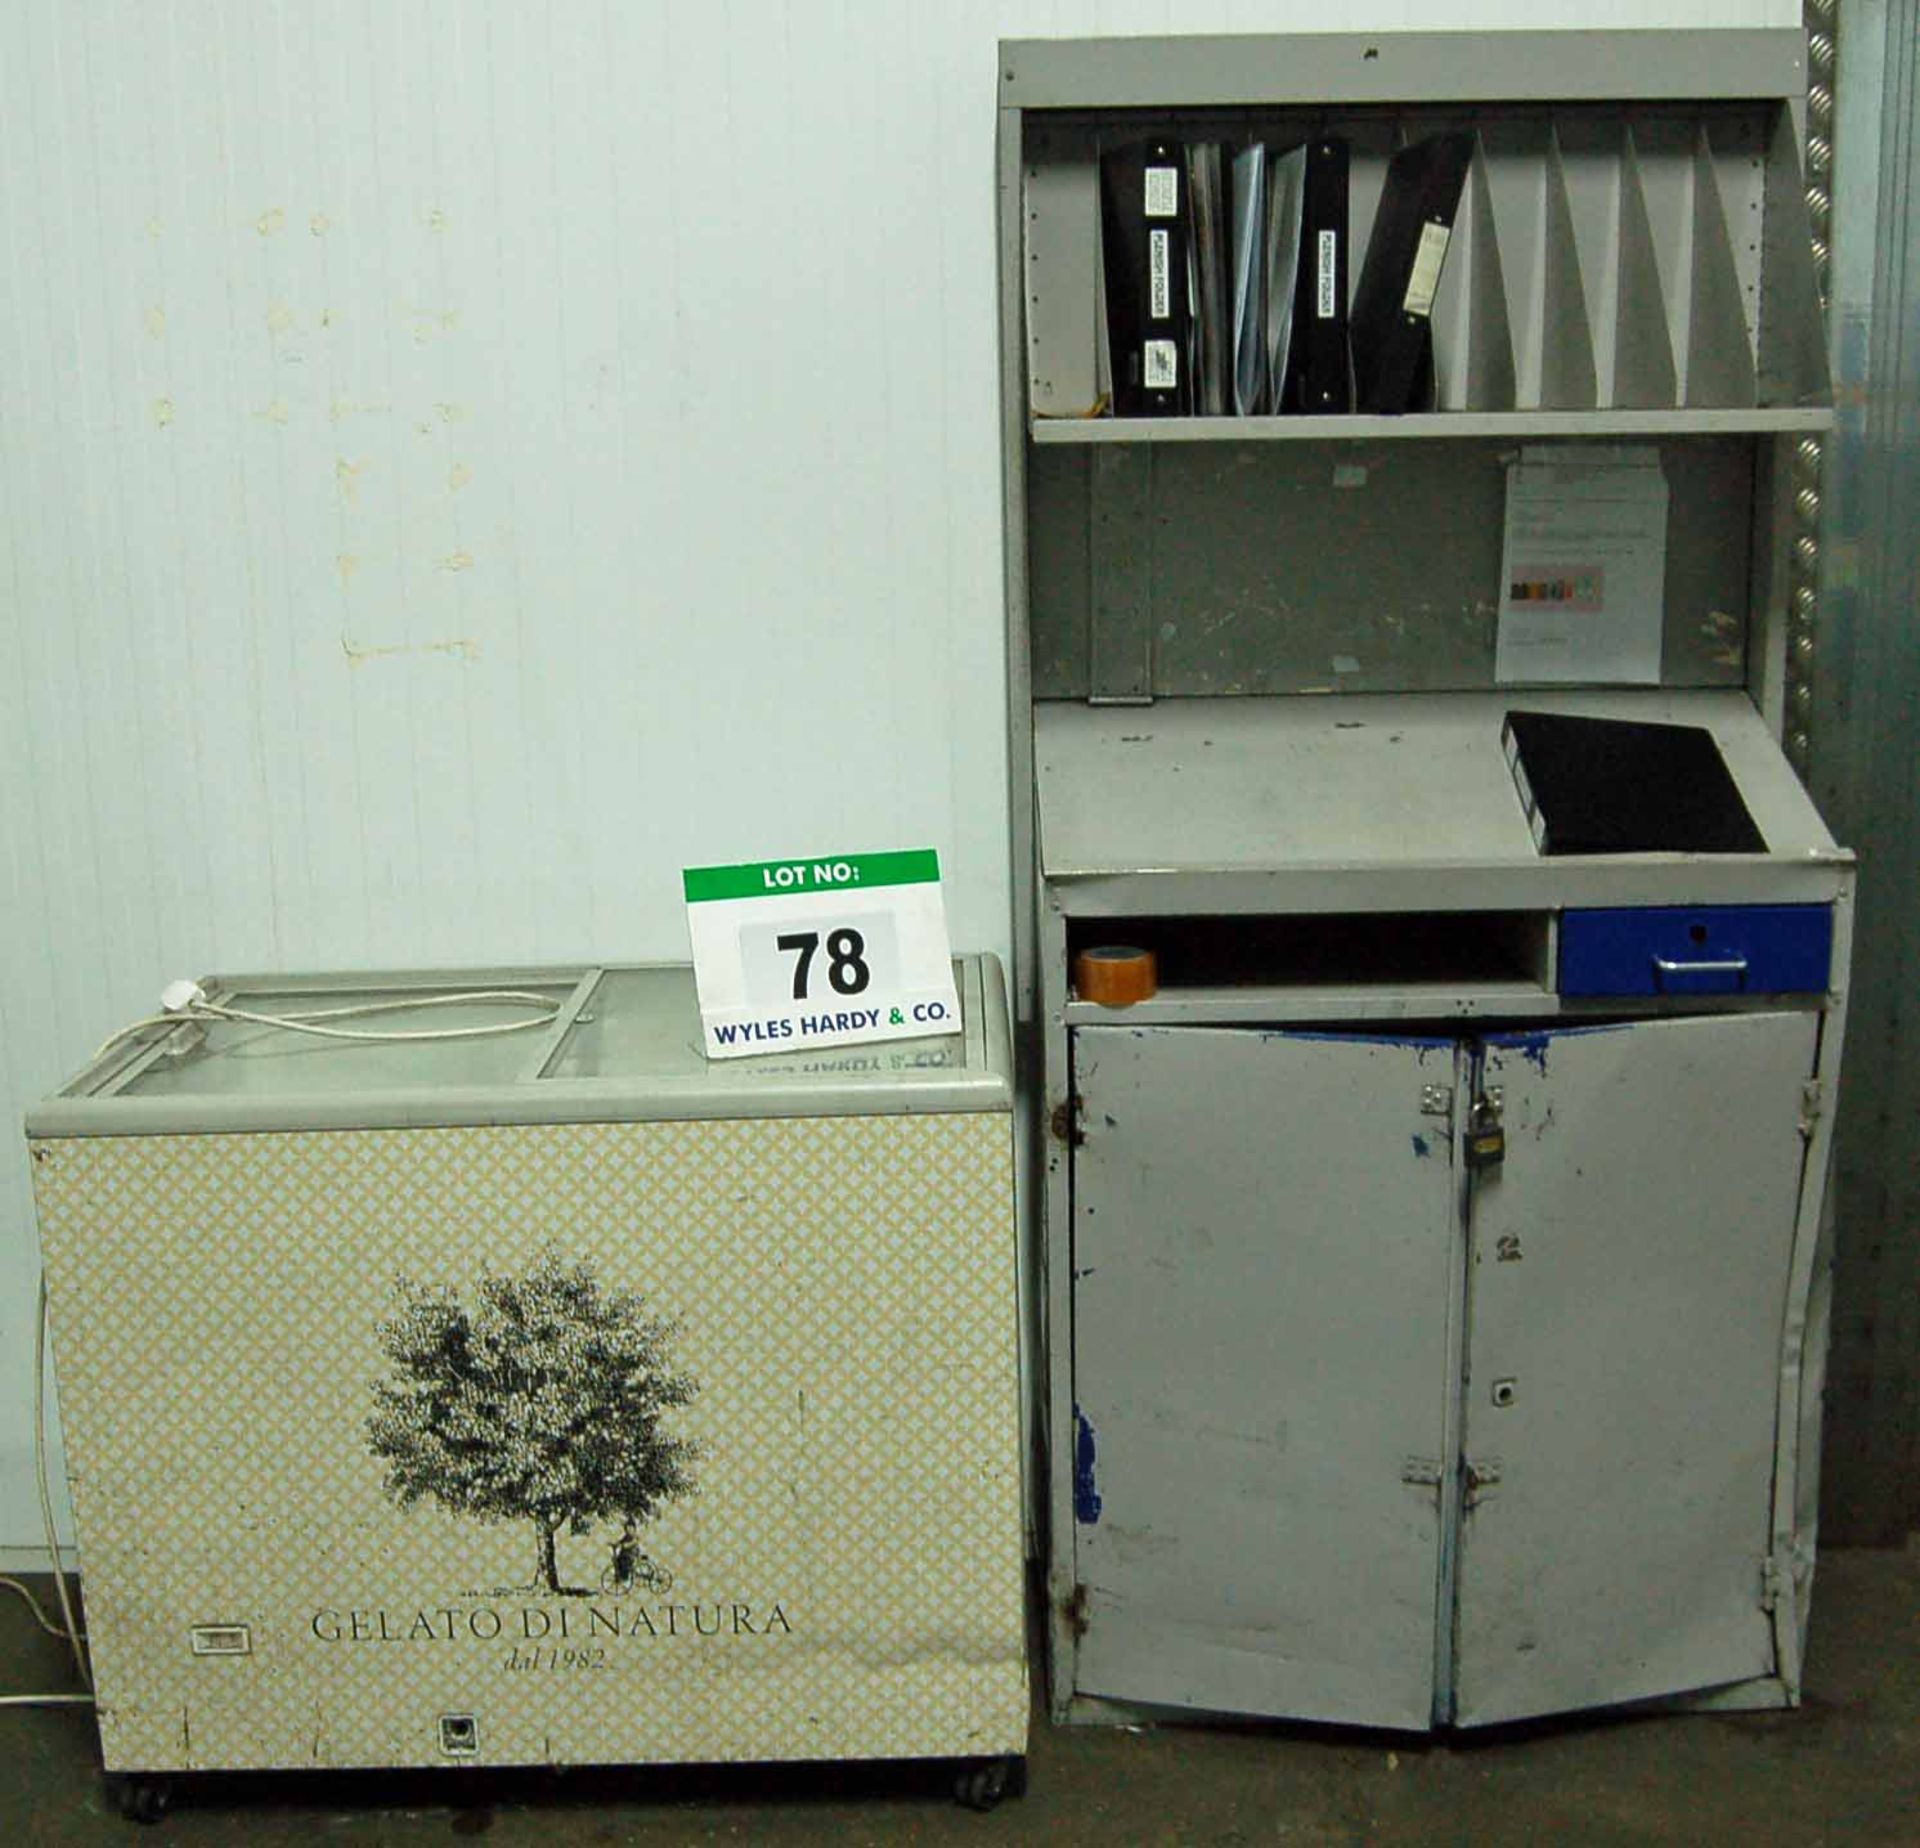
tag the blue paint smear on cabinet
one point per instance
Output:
(1086, 1498)
(1533, 1046)
(1421, 1043)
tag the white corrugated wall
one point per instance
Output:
(462, 460)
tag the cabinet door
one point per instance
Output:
(1627, 1293)
(1266, 1244)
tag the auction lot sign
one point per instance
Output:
(830, 950)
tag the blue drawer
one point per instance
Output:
(1717, 950)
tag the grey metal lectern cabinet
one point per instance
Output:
(1340, 1424)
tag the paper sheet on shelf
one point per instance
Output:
(1286, 212)
(1583, 567)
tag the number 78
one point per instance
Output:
(847, 970)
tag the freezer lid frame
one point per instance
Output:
(674, 1082)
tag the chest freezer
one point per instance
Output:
(552, 1398)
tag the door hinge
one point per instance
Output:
(1074, 1610)
(1776, 1581)
(1812, 1102)
(1064, 1123)
(1479, 1476)
(1421, 1472)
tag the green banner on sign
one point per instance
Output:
(845, 872)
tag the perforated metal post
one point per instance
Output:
(1810, 452)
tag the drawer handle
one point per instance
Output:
(1719, 975)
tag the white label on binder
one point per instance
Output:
(1160, 366)
(1163, 192)
(1328, 265)
(1425, 277)
(1159, 273)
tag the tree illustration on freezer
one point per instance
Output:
(543, 1401)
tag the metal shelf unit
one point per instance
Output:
(1318, 1443)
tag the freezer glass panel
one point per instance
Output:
(645, 1023)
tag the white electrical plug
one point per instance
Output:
(177, 997)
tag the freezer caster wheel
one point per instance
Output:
(140, 1799)
(982, 1782)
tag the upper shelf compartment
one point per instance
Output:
(1630, 254)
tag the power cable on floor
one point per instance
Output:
(71, 1635)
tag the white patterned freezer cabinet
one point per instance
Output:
(545, 1399)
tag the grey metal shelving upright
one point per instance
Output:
(1337, 1428)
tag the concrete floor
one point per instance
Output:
(1845, 1769)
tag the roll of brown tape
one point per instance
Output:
(1115, 975)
